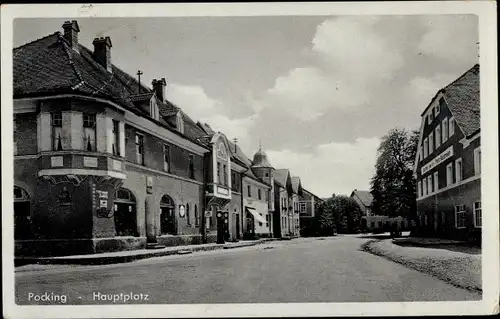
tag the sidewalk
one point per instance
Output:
(459, 268)
(131, 255)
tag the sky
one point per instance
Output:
(318, 92)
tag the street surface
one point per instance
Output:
(300, 270)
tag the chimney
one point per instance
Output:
(102, 52)
(71, 30)
(159, 88)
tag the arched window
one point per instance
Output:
(188, 216)
(167, 216)
(22, 216)
(196, 217)
(125, 213)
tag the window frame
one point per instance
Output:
(259, 193)
(249, 190)
(419, 189)
(449, 174)
(116, 138)
(166, 158)
(459, 174)
(56, 124)
(426, 147)
(475, 211)
(444, 131)
(424, 186)
(436, 181)
(438, 135)
(431, 142)
(430, 184)
(477, 161)
(460, 209)
(139, 145)
(191, 166)
(451, 126)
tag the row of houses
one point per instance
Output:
(105, 163)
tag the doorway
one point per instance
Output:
(167, 216)
(22, 216)
(125, 213)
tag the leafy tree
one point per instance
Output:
(393, 186)
(324, 218)
(347, 214)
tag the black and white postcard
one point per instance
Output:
(250, 159)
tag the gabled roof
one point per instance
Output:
(296, 185)
(462, 97)
(49, 66)
(364, 196)
(282, 177)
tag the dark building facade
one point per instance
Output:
(448, 162)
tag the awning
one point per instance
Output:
(256, 215)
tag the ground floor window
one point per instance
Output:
(125, 213)
(22, 216)
(478, 217)
(167, 216)
(460, 216)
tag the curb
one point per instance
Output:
(368, 247)
(101, 260)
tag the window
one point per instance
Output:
(89, 143)
(419, 189)
(260, 223)
(444, 132)
(460, 216)
(196, 217)
(219, 180)
(139, 149)
(224, 173)
(249, 190)
(478, 217)
(57, 132)
(438, 135)
(166, 158)
(421, 153)
(458, 170)
(302, 207)
(426, 147)
(430, 118)
(116, 137)
(424, 185)
(191, 166)
(436, 181)
(14, 126)
(431, 142)
(437, 109)
(451, 126)
(429, 184)
(259, 194)
(449, 174)
(477, 161)
(188, 215)
(233, 181)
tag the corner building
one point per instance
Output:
(448, 162)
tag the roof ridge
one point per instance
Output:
(36, 40)
(461, 76)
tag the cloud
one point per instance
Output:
(420, 90)
(353, 48)
(436, 41)
(193, 100)
(352, 62)
(331, 168)
(232, 128)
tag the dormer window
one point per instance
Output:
(180, 122)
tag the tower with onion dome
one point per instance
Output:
(263, 169)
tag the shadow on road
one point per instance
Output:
(463, 248)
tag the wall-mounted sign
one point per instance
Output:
(89, 161)
(56, 161)
(438, 160)
(182, 211)
(117, 165)
(222, 191)
(208, 213)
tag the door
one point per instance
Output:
(22, 220)
(167, 221)
(237, 221)
(125, 219)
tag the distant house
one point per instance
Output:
(364, 200)
(371, 222)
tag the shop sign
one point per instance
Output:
(89, 161)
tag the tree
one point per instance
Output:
(393, 186)
(339, 213)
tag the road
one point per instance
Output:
(300, 270)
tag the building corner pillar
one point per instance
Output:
(150, 219)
